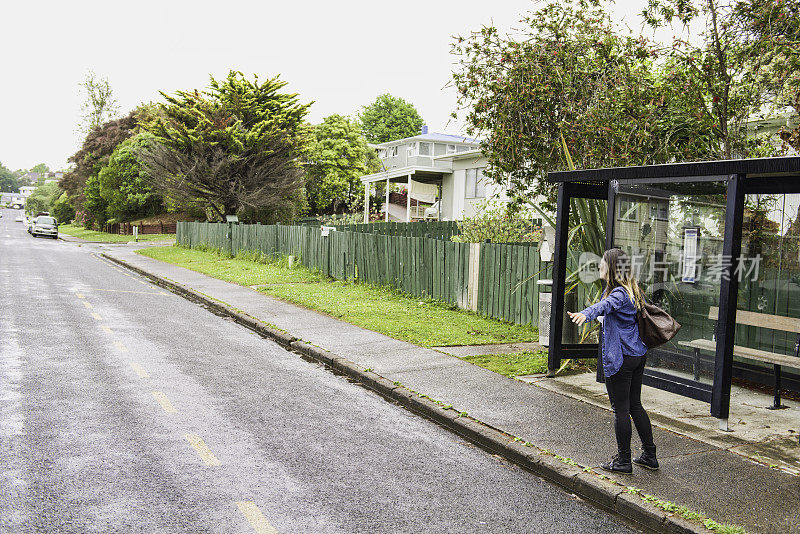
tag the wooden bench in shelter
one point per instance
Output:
(760, 320)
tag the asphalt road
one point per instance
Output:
(126, 408)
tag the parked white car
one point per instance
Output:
(45, 226)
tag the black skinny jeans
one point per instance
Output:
(625, 391)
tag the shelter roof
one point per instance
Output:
(703, 170)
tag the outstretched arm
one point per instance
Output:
(614, 301)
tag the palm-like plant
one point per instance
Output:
(587, 222)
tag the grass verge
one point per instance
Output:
(92, 235)
(242, 270)
(381, 309)
(523, 363)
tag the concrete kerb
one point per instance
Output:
(602, 492)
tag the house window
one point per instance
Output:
(476, 188)
(412, 150)
(392, 151)
(658, 211)
(462, 148)
(382, 153)
(451, 149)
(424, 149)
(628, 209)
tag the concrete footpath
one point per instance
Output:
(552, 434)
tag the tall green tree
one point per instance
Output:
(99, 105)
(8, 180)
(389, 118)
(122, 184)
(338, 156)
(567, 77)
(234, 146)
(42, 198)
(40, 168)
(95, 152)
(94, 207)
(770, 33)
(713, 67)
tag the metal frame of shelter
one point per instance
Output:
(748, 176)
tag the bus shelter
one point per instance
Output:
(716, 244)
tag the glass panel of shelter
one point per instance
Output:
(583, 287)
(673, 234)
(769, 280)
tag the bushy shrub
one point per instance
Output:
(342, 218)
(62, 209)
(498, 224)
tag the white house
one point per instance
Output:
(26, 190)
(443, 176)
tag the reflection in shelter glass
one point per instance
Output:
(769, 287)
(673, 233)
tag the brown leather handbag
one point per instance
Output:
(656, 326)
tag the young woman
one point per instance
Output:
(624, 356)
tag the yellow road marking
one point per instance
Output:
(87, 305)
(256, 519)
(139, 370)
(97, 316)
(120, 347)
(107, 329)
(80, 296)
(164, 402)
(202, 449)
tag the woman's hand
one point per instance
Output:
(578, 318)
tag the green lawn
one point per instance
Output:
(381, 309)
(237, 270)
(522, 363)
(91, 235)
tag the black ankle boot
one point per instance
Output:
(620, 463)
(647, 458)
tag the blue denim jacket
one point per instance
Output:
(620, 330)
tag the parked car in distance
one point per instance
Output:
(44, 225)
(18, 219)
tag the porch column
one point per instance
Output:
(386, 204)
(440, 201)
(367, 191)
(408, 200)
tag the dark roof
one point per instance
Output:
(723, 168)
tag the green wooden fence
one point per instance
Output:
(505, 275)
(432, 229)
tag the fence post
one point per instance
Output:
(474, 276)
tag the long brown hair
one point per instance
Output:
(620, 274)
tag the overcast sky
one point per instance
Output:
(341, 55)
